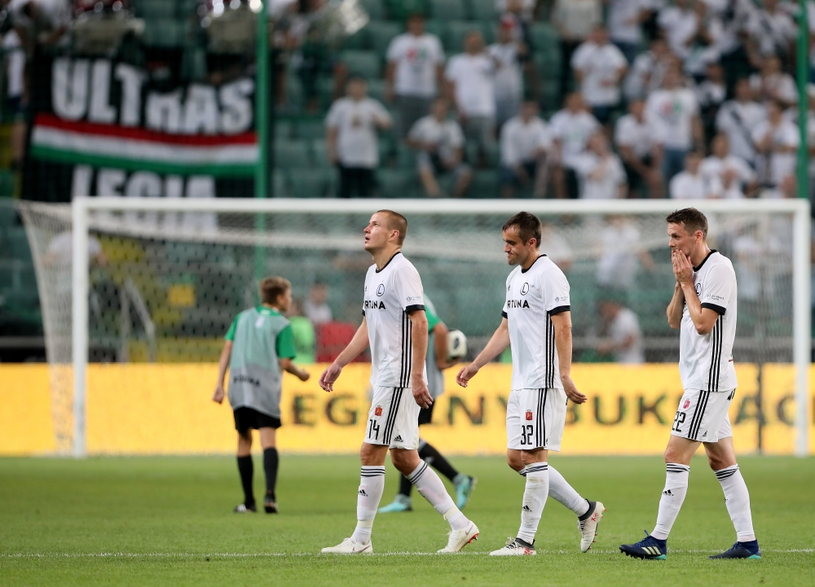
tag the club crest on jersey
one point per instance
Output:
(686, 405)
(380, 290)
(525, 289)
(698, 288)
(378, 411)
(529, 415)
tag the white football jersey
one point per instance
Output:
(391, 294)
(706, 360)
(533, 297)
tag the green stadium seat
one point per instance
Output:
(153, 9)
(164, 33)
(374, 8)
(319, 150)
(399, 10)
(544, 37)
(282, 130)
(376, 89)
(405, 157)
(17, 243)
(6, 184)
(380, 34)
(8, 215)
(448, 9)
(438, 28)
(365, 63)
(278, 185)
(307, 183)
(484, 185)
(397, 183)
(483, 10)
(310, 129)
(359, 40)
(293, 153)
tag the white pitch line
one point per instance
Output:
(23, 555)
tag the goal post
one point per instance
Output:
(457, 248)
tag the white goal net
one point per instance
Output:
(160, 280)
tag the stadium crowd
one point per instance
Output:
(571, 98)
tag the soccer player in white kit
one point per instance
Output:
(704, 309)
(395, 326)
(537, 324)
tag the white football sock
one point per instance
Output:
(371, 486)
(737, 499)
(535, 494)
(560, 490)
(428, 483)
(676, 487)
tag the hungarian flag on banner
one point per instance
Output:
(140, 149)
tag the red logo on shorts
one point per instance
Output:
(529, 414)
(378, 411)
(686, 405)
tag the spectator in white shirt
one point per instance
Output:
(771, 30)
(574, 20)
(776, 140)
(415, 64)
(710, 94)
(351, 140)
(690, 184)
(619, 242)
(507, 54)
(440, 145)
(680, 24)
(734, 174)
(599, 68)
(620, 333)
(674, 112)
(41, 22)
(571, 128)
(316, 307)
(524, 143)
(773, 84)
(556, 247)
(737, 118)
(625, 18)
(519, 14)
(601, 173)
(470, 80)
(635, 140)
(648, 69)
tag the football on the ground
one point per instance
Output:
(456, 344)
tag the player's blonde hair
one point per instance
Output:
(273, 287)
(396, 222)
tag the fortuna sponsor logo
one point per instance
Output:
(374, 305)
(246, 379)
(517, 304)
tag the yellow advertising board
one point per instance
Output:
(166, 409)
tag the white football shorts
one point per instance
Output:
(535, 418)
(393, 419)
(703, 415)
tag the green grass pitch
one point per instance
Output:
(168, 521)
